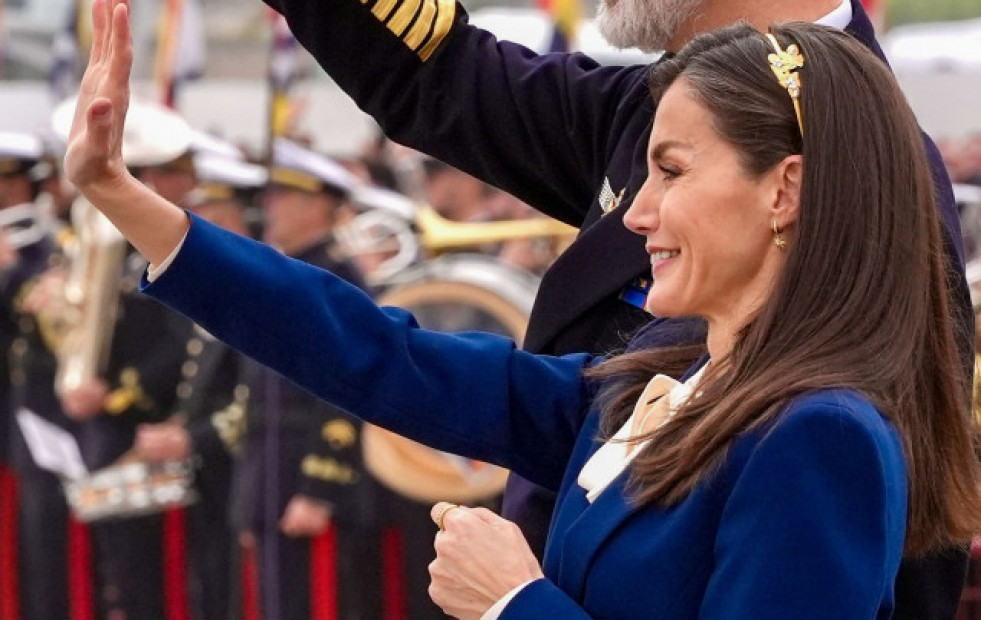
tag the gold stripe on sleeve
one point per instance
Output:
(403, 16)
(420, 29)
(444, 20)
(383, 8)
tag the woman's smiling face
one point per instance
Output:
(707, 222)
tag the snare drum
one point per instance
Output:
(131, 489)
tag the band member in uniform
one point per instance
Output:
(42, 512)
(311, 507)
(568, 137)
(137, 386)
(208, 423)
(19, 154)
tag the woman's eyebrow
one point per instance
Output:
(659, 149)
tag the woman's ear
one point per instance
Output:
(788, 176)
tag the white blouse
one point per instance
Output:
(613, 457)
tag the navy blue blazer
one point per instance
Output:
(803, 520)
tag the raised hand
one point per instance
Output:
(94, 160)
(94, 156)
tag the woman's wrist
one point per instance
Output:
(153, 225)
(107, 192)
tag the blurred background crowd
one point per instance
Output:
(147, 472)
(962, 156)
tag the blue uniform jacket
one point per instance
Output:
(803, 520)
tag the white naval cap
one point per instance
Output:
(232, 172)
(203, 143)
(370, 197)
(19, 152)
(153, 135)
(219, 178)
(299, 168)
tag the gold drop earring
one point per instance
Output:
(778, 238)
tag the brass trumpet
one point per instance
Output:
(439, 234)
(404, 230)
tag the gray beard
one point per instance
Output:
(644, 24)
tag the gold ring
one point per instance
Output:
(442, 514)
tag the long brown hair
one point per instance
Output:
(863, 301)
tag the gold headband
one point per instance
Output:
(784, 64)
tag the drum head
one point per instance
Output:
(131, 489)
(452, 294)
(460, 306)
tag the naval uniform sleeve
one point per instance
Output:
(332, 469)
(471, 394)
(540, 127)
(814, 525)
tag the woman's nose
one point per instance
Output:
(643, 215)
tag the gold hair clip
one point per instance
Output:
(784, 64)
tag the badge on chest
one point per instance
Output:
(609, 199)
